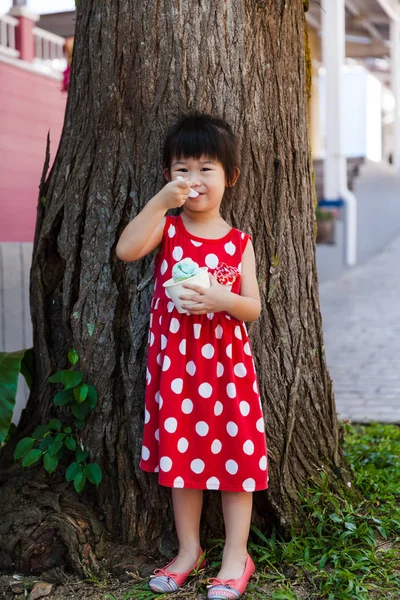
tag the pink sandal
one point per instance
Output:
(231, 589)
(165, 581)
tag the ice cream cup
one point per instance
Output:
(176, 289)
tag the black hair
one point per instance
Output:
(196, 134)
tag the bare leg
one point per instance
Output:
(187, 505)
(237, 508)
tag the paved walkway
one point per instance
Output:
(361, 321)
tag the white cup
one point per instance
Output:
(176, 289)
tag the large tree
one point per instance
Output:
(136, 65)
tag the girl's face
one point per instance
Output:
(208, 179)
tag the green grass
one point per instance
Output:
(344, 551)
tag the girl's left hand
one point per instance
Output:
(208, 300)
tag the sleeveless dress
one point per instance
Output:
(203, 420)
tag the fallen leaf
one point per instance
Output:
(39, 590)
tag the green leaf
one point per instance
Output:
(55, 424)
(81, 455)
(40, 432)
(54, 448)
(45, 443)
(72, 470)
(93, 473)
(70, 379)
(81, 392)
(79, 481)
(28, 366)
(50, 463)
(67, 429)
(79, 423)
(56, 378)
(92, 396)
(63, 397)
(80, 411)
(23, 447)
(10, 367)
(73, 357)
(70, 443)
(32, 457)
(59, 437)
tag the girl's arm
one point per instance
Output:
(244, 307)
(144, 233)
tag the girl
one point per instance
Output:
(204, 426)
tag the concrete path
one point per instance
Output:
(361, 321)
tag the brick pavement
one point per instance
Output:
(361, 322)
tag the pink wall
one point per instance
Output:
(30, 105)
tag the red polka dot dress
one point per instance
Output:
(203, 425)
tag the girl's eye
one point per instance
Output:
(182, 170)
(206, 169)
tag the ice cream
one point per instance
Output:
(184, 269)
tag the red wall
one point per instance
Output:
(30, 105)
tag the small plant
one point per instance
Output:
(50, 442)
(324, 215)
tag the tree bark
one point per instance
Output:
(136, 65)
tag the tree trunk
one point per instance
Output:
(136, 65)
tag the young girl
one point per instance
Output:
(204, 426)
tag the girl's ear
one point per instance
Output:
(167, 174)
(236, 173)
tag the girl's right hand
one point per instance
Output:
(175, 193)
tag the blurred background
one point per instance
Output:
(354, 125)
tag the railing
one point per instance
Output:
(49, 49)
(7, 35)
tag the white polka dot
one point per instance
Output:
(183, 445)
(218, 332)
(182, 347)
(238, 332)
(229, 350)
(171, 230)
(248, 447)
(202, 428)
(197, 244)
(230, 248)
(231, 390)
(166, 363)
(231, 466)
(220, 369)
(263, 463)
(249, 485)
(177, 253)
(146, 415)
(187, 406)
(240, 267)
(159, 359)
(164, 266)
(157, 435)
(145, 453)
(196, 330)
(211, 261)
(170, 307)
(244, 408)
(174, 325)
(156, 304)
(216, 447)
(260, 424)
(255, 388)
(218, 408)
(212, 483)
(178, 482)
(151, 320)
(240, 370)
(165, 464)
(161, 402)
(232, 428)
(197, 465)
(151, 340)
(177, 385)
(167, 294)
(163, 342)
(227, 317)
(205, 390)
(210, 316)
(148, 376)
(156, 470)
(191, 368)
(246, 348)
(157, 397)
(207, 351)
(160, 320)
(171, 424)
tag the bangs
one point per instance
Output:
(196, 135)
